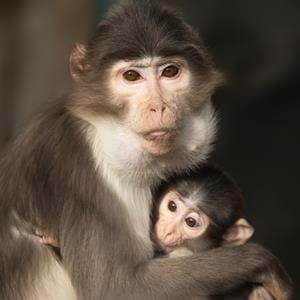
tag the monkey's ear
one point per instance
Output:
(239, 233)
(78, 64)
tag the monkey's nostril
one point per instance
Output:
(159, 109)
(169, 234)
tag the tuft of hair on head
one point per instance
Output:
(222, 200)
(136, 29)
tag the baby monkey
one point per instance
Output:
(197, 212)
(200, 211)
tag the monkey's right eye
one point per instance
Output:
(172, 206)
(131, 75)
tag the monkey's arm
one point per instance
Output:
(222, 270)
(258, 293)
(107, 264)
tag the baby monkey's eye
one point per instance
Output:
(172, 206)
(170, 71)
(191, 222)
(131, 75)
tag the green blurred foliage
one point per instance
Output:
(101, 7)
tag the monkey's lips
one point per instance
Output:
(159, 135)
(158, 141)
(167, 247)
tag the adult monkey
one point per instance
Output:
(83, 171)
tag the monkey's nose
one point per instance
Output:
(169, 235)
(158, 108)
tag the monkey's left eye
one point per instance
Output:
(191, 222)
(170, 71)
(172, 206)
(131, 75)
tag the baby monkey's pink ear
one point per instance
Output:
(239, 233)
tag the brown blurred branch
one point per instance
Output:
(9, 69)
(36, 38)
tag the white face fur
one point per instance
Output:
(157, 78)
(152, 89)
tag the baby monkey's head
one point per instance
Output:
(200, 210)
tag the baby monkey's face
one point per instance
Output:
(179, 219)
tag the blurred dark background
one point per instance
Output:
(255, 43)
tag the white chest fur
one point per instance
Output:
(137, 202)
(119, 160)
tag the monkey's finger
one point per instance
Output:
(260, 293)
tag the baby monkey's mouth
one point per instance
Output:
(167, 246)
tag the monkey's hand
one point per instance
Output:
(260, 293)
(46, 239)
(230, 268)
(274, 280)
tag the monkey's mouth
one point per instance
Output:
(167, 247)
(159, 135)
(159, 141)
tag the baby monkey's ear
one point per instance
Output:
(239, 233)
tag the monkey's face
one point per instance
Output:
(179, 219)
(154, 95)
(157, 105)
